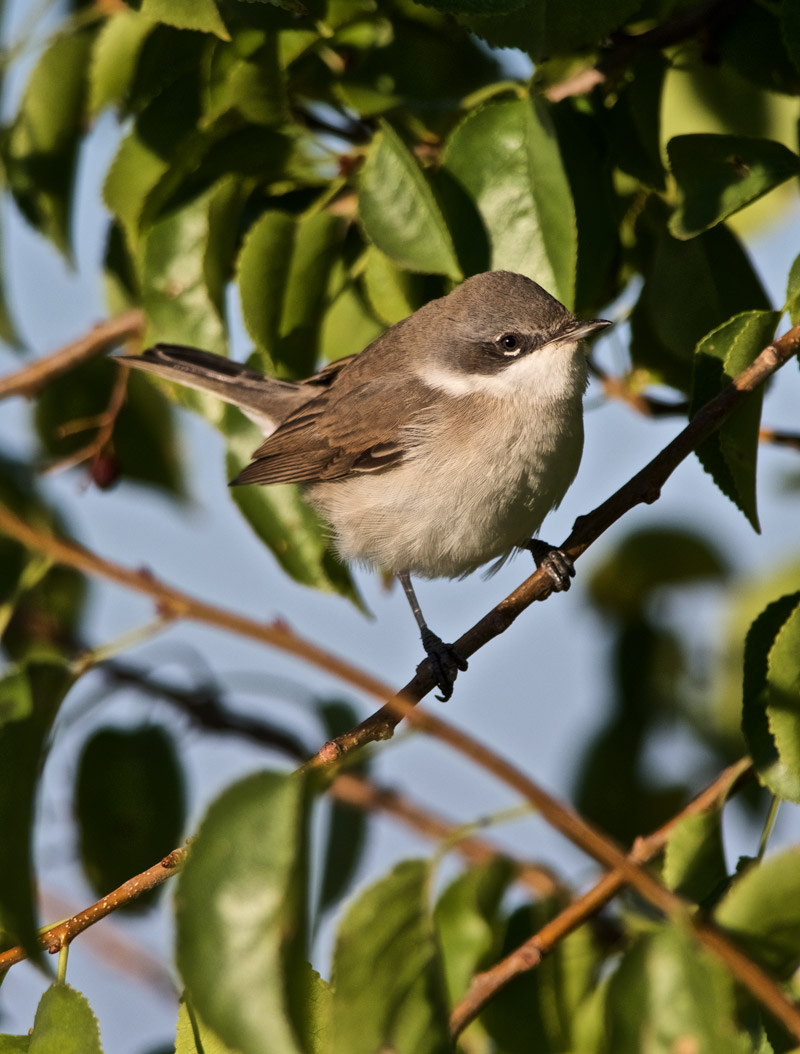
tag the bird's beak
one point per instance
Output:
(580, 330)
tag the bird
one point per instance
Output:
(439, 448)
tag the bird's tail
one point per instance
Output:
(265, 400)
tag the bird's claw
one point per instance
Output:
(554, 561)
(445, 662)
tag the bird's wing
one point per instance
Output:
(348, 428)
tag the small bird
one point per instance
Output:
(440, 447)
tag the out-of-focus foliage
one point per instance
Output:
(335, 164)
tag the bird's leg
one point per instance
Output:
(555, 562)
(445, 660)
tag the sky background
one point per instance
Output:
(536, 694)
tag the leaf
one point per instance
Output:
(757, 46)
(761, 911)
(635, 121)
(649, 559)
(240, 914)
(399, 212)
(14, 1044)
(194, 1036)
(729, 455)
(668, 995)
(468, 925)
(349, 325)
(505, 156)
(773, 771)
(283, 272)
(65, 1023)
(42, 147)
(129, 804)
(790, 31)
(16, 701)
(253, 86)
(393, 293)
(719, 174)
(115, 56)
(23, 747)
(793, 292)
(694, 861)
(387, 991)
(282, 518)
(202, 15)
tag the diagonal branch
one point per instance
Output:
(101, 338)
(485, 986)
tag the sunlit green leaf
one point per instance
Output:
(761, 911)
(793, 292)
(694, 860)
(115, 54)
(399, 212)
(505, 155)
(387, 988)
(392, 292)
(202, 15)
(241, 906)
(194, 1036)
(14, 1044)
(253, 86)
(349, 325)
(65, 1023)
(719, 174)
(729, 455)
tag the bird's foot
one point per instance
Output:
(445, 662)
(554, 561)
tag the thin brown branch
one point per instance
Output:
(485, 986)
(101, 338)
(780, 438)
(54, 938)
(606, 852)
(643, 488)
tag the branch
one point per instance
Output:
(56, 937)
(606, 852)
(101, 338)
(485, 986)
(643, 488)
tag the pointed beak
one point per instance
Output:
(580, 330)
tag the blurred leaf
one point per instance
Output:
(392, 292)
(253, 86)
(347, 825)
(635, 121)
(283, 271)
(719, 174)
(648, 559)
(65, 1023)
(201, 15)
(9, 334)
(23, 748)
(468, 925)
(542, 27)
(790, 31)
(240, 915)
(399, 212)
(793, 292)
(115, 55)
(282, 518)
(694, 860)
(194, 1036)
(42, 146)
(348, 325)
(143, 441)
(387, 988)
(667, 994)
(16, 701)
(129, 805)
(757, 44)
(729, 455)
(14, 1044)
(783, 683)
(505, 155)
(691, 287)
(761, 911)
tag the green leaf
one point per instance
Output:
(649, 559)
(349, 325)
(129, 805)
(393, 293)
(387, 990)
(761, 911)
(729, 455)
(719, 174)
(505, 156)
(115, 55)
(694, 861)
(23, 747)
(468, 924)
(14, 1044)
(793, 292)
(253, 86)
(282, 518)
(283, 272)
(65, 1023)
(16, 701)
(635, 121)
(202, 15)
(666, 995)
(42, 147)
(240, 915)
(399, 212)
(757, 45)
(194, 1036)
(773, 770)
(790, 31)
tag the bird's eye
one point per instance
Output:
(509, 342)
